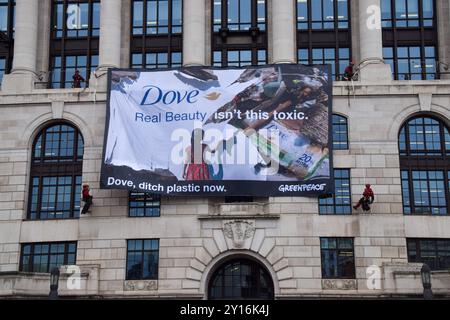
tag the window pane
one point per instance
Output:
(46, 256)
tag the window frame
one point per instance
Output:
(7, 36)
(225, 40)
(148, 43)
(418, 250)
(346, 141)
(423, 161)
(310, 39)
(142, 251)
(43, 167)
(420, 36)
(48, 254)
(333, 196)
(67, 46)
(337, 248)
(145, 206)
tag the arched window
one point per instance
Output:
(56, 169)
(241, 279)
(424, 147)
(340, 132)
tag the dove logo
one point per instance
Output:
(154, 95)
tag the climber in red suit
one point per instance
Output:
(368, 198)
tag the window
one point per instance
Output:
(43, 257)
(338, 59)
(76, 19)
(238, 15)
(62, 77)
(241, 279)
(142, 259)
(340, 201)
(157, 17)
(56, 170)
(434, 252)
(239, 33)
(424, 147)
(156, 34)
(7, 17)
(409, 64)
(424, 136)
(322, 14)
(144, 205)
(239, 58)
(407, 13)
(424, 192)
(323, 34)
(410, 38)
(158, 60)
(74, 41)
(338, 259)
(340, 132)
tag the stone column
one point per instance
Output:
(283, 31)
(109, 42)
(23, 74)
(443, 20)
(194, 33)
(110, 34)
(371, 66)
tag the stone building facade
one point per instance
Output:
(199, 235)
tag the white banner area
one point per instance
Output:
(256, 131)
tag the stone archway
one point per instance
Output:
(240, 278)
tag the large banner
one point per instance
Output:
(254, 131)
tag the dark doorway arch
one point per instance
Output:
(241, 278)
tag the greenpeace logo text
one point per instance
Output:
(302, 187)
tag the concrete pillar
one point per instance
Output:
(43, 49)
(371, 65)
(283, 31)
(443, 20)
(110, 34)
(194, 33)
(23, 73)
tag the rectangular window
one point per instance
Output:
(43, 257)
(156, 60)
(144, 204)
(153, 17)
(340, 132)
(434, 252)
(51, 197)
(412, 63)
(240, 58)
(320, 14)
(340, 201)
(241, 15)
(407, 13)
(338, 59)
(63, 69)
(142, 259)
(76, 19)
(424, 192)
(338, 259)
